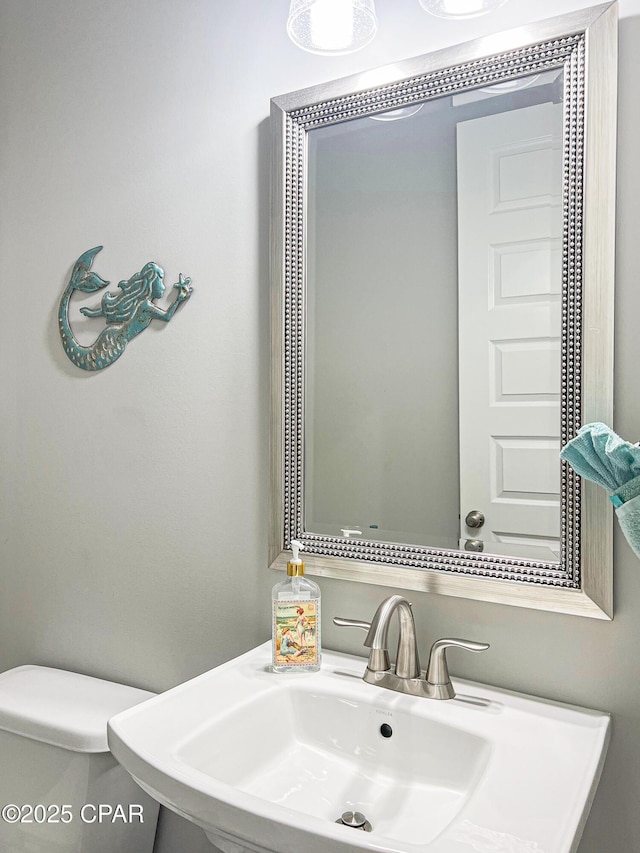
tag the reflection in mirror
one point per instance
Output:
(443, 253)
(433, 322)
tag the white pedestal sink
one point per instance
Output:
(269, 762)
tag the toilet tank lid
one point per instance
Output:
(62, 708)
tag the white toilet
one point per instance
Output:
(61, 790)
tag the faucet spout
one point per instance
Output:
(407, 660)
(407, 677)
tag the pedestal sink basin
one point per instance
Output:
(270, 762)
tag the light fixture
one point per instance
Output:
(460, 8)
(399, 113)
(331, 26)
(508, 86)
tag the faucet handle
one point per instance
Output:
(341, 622)
(438, 671)
(378, 658)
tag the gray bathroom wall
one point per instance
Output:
(133, 502)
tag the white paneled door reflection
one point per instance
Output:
(510, 278)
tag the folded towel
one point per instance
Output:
(629, 519)
(599, 455)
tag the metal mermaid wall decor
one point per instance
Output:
(126, 313)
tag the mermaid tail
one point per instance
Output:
(82, 278)
(111, 342)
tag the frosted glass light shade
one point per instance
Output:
(460, 8)
(331, 26)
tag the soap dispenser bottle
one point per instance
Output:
(296, 619)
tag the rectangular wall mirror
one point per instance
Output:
(443, 260)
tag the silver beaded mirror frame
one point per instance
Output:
(584, 45)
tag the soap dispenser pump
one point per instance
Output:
(296, 619)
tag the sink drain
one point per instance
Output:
(356, 820)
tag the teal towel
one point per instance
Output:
(599, 455)
(629, 519)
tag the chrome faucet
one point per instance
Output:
(407, 677)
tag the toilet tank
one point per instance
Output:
(61, 790)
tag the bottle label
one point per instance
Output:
(295, 629)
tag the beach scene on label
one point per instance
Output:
(295, 632)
